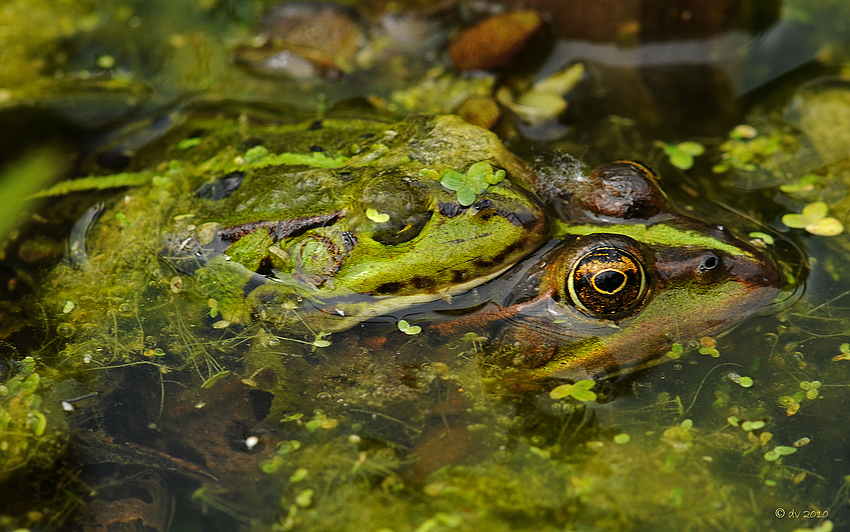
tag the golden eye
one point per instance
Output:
(607, 282)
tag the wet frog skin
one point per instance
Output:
(314, 227)
(624, 279)
(309, 229)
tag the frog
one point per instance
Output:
(624, 278)
(305, 227)
(310, 228)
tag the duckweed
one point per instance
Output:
(682, 155)
(579, 391)
(407, 328)
(477, 178)
(814, 219)
(32, 431)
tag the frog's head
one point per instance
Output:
(627, 280)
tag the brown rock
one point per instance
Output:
(479, 110)
(494, 41)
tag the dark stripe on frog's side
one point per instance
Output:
(427, 284)
(280, 229)
(460, 276)
(423, 283)
(389, 288)
(519, 219)
(500, 258)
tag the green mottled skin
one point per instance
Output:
(334, 221)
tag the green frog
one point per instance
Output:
(320, 225)
(310, 228)
(623, 279)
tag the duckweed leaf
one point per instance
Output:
(185, 144)
(377, 217)
(815, 210)
(585, 384)
(791, 404)
(466, 196)
(709, 351)
(752, 425)
(804, 184)
(746, 382)
(453, 180)
(305, 498)
(828, 226)
(559, 392)
(743, 131)
(271, 466)
(407, 328)
(579, 391)
(814, 219)
(476, 180)
(694, 149)
(810, 385)
(299, 474)
(622, 438)
(682, 155)
(479, 175)
(38, 423)
(785, 450)
(771, 456)
(584, 395)
(764, 237)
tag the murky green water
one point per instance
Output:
(739, 432)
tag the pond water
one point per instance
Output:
(138, 394)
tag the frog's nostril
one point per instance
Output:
(708, 263)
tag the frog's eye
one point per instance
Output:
(607, 282)
(395, 211)
(623, 189)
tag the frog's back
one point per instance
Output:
(405, 212)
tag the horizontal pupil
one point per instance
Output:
(609, 281)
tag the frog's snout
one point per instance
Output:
(756, 272)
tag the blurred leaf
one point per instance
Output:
(23, 178)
